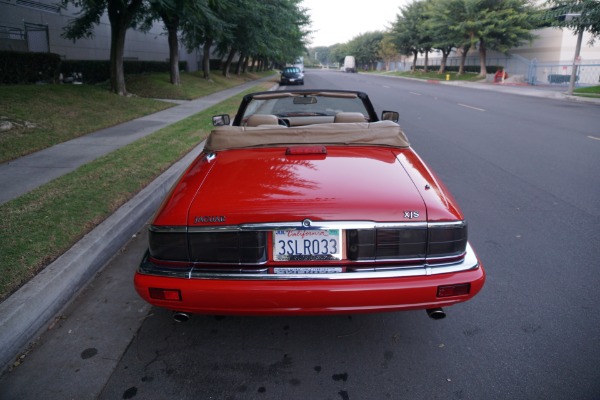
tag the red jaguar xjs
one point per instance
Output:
(307, 203)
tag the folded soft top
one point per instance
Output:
(382, 133)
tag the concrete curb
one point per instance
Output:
(26, 313)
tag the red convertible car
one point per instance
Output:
(307, 203)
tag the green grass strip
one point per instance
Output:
(591, 91)
(38, 227)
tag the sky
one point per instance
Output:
(339, 21)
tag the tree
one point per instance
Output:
(175, 15)
(290, 30)
(253, 33)
(508, 24)
(465, 28)
(338, 52)
(322, 54)
(483, 24)
(387, 50)
(424, 31)
(443, 15)
(365, 48)
(204, 32)
(587, 21)
(122, 15)
(405, 31)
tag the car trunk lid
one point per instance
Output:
(343, 183)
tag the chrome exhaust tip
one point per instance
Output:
(436, 313)
(181, 316)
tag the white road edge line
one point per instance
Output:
(416, 94)
(594, 137)
(471, 107)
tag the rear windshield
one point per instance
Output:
(291, 106)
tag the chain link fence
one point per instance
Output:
(519, 69)
(586, 73)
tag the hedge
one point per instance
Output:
(26, 67)
(23, 67)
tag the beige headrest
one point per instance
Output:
(349, 117)
(261, 119)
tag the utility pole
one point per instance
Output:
(576, 59)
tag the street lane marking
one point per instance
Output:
(594, 137)
(415, 93)
(471, 107)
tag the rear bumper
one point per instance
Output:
(289, 82)
(344, 293)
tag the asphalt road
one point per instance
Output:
(525, 172)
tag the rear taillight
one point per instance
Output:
(228, 247)
(435, 241)
(386, 244)
(168, 243)
(178, 244)
(447, 239)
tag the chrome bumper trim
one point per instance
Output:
(470, 262)
(306, 224)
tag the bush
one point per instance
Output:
(26, 67)
(94, 71)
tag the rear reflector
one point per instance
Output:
(165, 294)
(453, 290)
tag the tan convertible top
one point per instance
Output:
(382, 133)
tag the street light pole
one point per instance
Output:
(576, 61)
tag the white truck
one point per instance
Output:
(349, 64)
(299, 63)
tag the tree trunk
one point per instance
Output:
(414, 66)
(120, 15)
(245, 64)
(206, 60)
(445, 54)
(173, 53)
(227, 65)
(482, 59)
(463, 59)
(426, 68)
(117, 72)
(238, 68)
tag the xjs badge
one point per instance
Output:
(411, 214)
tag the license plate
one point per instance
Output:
(307, 245)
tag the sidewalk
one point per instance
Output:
(545, 91)
(29, 310)
(24, 174)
